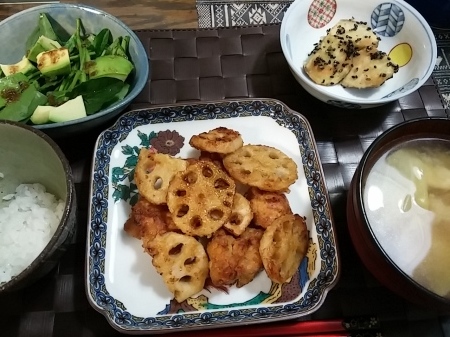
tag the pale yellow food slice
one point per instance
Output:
(283, 246)
(330, 61)
(358, 32)
(241, 215)
(261, 166)
(182, 262)
(153, 173)
(219, 140)
(370, 69)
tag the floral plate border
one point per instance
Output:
(115, 311)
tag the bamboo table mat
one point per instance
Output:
(233, 63)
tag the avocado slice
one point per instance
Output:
(24, 66)
(20, 98)
(72, 109)
(54, 62)
(109, 66)
(41, 114)
(42, 44)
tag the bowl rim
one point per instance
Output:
(306, 81)
(69, 203)
(140, 51)
(370, 156)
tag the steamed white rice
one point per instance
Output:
(27, 223)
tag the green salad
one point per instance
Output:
(65, 75)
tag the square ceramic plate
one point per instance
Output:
(123, 285)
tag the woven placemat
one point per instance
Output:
(219, 13)
(441, 71)
(216, 64)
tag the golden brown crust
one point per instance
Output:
(267, 206)
(234, 260)
(261, 166)
(182, 262)
(200, 198)
(283, 246)
(153, 174)
(148, 220)
(241, 215)
(219, 140)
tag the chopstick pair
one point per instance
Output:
(353, 327)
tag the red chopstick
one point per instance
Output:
(337, 327)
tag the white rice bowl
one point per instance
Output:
(28, 221)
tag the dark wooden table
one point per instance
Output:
(235, 63)
(137, 14)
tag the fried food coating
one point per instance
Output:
(234, 260)
(153, 173)
(283, 246)
(267, 206)
(147, 220)
(241, 215)
(200, 198)
(262, 166)
(182, 262)
(218, 140)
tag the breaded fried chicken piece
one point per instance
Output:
(246, 253)
(222, 265)
(267, 206)
(233, 259)
(147, 220)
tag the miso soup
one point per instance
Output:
(407, 201)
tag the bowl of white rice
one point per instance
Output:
(37, 205)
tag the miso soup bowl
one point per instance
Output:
(394, 255)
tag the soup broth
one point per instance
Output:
(407, 201)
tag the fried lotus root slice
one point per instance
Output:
(182, 262)
(200, 198)
(370, 69)
(241, 215)
(262, 166)
(283, 246)
(267, 206)
(219, 140)
(154, 172)
(330, 61)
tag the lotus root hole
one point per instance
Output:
(190, 177)
(207, 172)
(227, 203)
(245, 172)
(182, 211)
(158, 183)
(189, 261)
(176, 250)
(221, 184)
(216, 214)
(186, 278)
(273, 155)
(180, 193)
(235, 219)
(196, 222)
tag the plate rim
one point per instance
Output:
(333, 233)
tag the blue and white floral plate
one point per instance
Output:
(121, 282)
